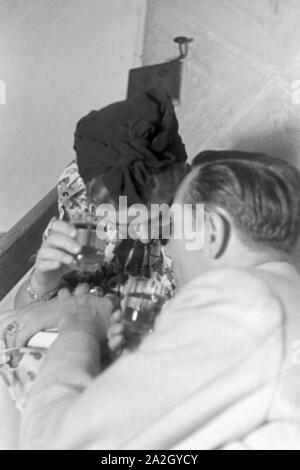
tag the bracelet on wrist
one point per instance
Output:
(39, 297)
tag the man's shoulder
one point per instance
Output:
(245, 282)
(233, 282)
(232, 292)
(228, 302)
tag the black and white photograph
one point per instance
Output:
(149, 227)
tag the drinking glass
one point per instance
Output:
(142, 303)
(93, 247)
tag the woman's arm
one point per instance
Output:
(55, 257)
(32, 290)
(22, 297)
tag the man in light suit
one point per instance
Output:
(217, 372)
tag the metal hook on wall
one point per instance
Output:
(183, 43)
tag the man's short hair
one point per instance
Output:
(259, 192)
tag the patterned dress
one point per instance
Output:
(122, 260)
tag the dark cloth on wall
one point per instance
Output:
(128, 141)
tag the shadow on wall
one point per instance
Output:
(282, 143)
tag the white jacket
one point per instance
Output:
(220, 366)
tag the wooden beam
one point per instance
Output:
(21, 243)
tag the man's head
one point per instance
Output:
(251, 211)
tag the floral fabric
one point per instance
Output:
(113, 276)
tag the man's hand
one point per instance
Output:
(86, 313)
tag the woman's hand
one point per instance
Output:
(79, 312)
(56, 255)
(20, 325)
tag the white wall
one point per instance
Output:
(239, 75)
(59, 59)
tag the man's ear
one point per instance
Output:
(217, 234)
